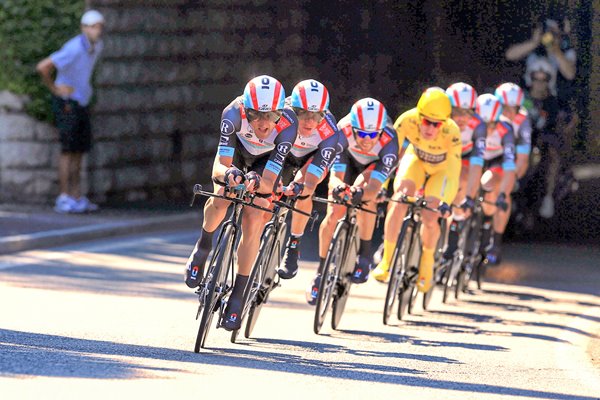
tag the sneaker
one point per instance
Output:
(65, 204)
(313, 290)
(289, 264)
(194, 270)
(232, 318)
(547, 208)
(382, 272)
(361, 270)
(83, 205)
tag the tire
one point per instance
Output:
(448, 281)
(217, 270)
(253, 303)
(398, 273)
(427, 297)
(330, 274)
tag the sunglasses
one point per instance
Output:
(253, 115)
(305, 114)
(428, 122)
(364, 134)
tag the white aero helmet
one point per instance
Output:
(510, 94)
(368, 115)
(264, 93)
(488, 107)
(462, 95)
(310, 95)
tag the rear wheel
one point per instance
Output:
(215, 281)
(330, 275)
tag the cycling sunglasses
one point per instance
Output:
(428, 122)
(253, 115)
(305, 114)
(364, 134)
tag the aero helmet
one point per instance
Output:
(488, 107)
(310, 95)
(510, 94)
(264, 93)
(462, 95)
(368, 114)
(434, 104)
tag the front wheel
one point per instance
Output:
(215, 281)
(398, 273)
(330, 275)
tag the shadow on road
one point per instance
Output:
(53, 355)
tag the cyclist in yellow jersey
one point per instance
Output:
(434, 151)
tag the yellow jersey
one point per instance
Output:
(441, 155)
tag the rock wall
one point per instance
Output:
(168, 69)
(28, 154)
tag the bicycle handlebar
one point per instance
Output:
(345, 204)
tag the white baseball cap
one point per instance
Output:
(92, 17)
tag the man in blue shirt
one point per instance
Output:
(72, 90)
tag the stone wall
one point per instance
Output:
(169, 68)
(28, 154)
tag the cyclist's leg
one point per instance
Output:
(366, 224)
(458, 215)
(214, 213)
(490, 181)
(409, 177)
(304, 203)
(430, 228)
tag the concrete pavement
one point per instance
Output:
(26, 227)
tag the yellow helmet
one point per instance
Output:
(434, 104)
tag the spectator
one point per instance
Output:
(71, 94)
(550, 67)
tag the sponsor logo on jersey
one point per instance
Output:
(428, 157)
(389, 160)
(283, 123)
(327, 153)
(325, 130)
(284, 147)
(227, 127)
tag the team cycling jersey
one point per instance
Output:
(468, 136)
(439, 159)
(499, 144)
(522, 130)
(239, 141)
(384, 155)
(319, 147)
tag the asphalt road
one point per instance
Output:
(113, 319)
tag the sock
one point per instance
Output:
(452, 239)
(388, 252)
(487, 231)
(294, 241)
(239, 286)
(365, 248)
(426, 262)
(497, 239)
(205, 240)
(321, 264)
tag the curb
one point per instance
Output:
(59, 237)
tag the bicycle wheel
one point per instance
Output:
(399, 259)
(448, 281)
(330, 274)
(266, 262)
(215, 281)
(343, 285)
